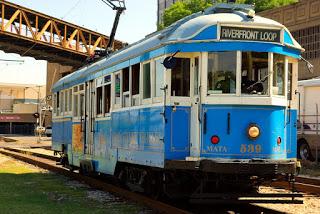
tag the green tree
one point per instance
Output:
(184, 8)
(262, 5)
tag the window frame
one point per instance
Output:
(78, 93)
(158, 99)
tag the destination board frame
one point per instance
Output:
(247, 33)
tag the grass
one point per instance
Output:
(26, 189)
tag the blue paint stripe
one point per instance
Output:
(287, 38)
(208, 33)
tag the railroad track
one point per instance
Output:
(49, 164)
(302, 184)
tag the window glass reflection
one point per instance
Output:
(222, 73)
(254, 73)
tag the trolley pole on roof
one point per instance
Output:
(119, 6)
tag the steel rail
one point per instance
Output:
(51, 166)
(45, 156)
(301, 185)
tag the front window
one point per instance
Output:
(278, 75)
(254, 73)
(222, 68)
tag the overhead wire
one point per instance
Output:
(71, 9)
(29, 49)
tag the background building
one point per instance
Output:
(162, 5)
(22, 87)
(303, 21)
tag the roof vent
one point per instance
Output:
(231, 7)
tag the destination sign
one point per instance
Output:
(249, 34)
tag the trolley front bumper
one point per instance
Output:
(246, 167)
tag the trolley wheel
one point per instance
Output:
(304, 152)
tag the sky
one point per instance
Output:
(137, 21)
(26, 71)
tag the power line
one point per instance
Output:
(71, 9)
(29, 49)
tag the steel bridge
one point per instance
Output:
(30, 33)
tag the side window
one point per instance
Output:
(159, 80)
(125, 87)
(135, 84)
(99, 100)
(75, 101)
(278, 75)
(180, 78)
(82, 103)
(70, 100)
(58, 103)
(55, 103)
(117, 88)
(76, 104)
(107, 94)
(107, 98)
(81, 97)
(61, 102)
(66, 101)
(146, 81)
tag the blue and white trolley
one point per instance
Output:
(222, 115)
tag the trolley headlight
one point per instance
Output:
(253, 131)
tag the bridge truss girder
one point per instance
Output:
(26, 31)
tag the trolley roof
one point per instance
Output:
(196, 33)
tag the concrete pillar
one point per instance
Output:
(10, 128)
(55, 72)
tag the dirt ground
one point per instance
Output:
(311, 203)
(24, 141)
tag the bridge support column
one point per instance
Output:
(55, 71)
